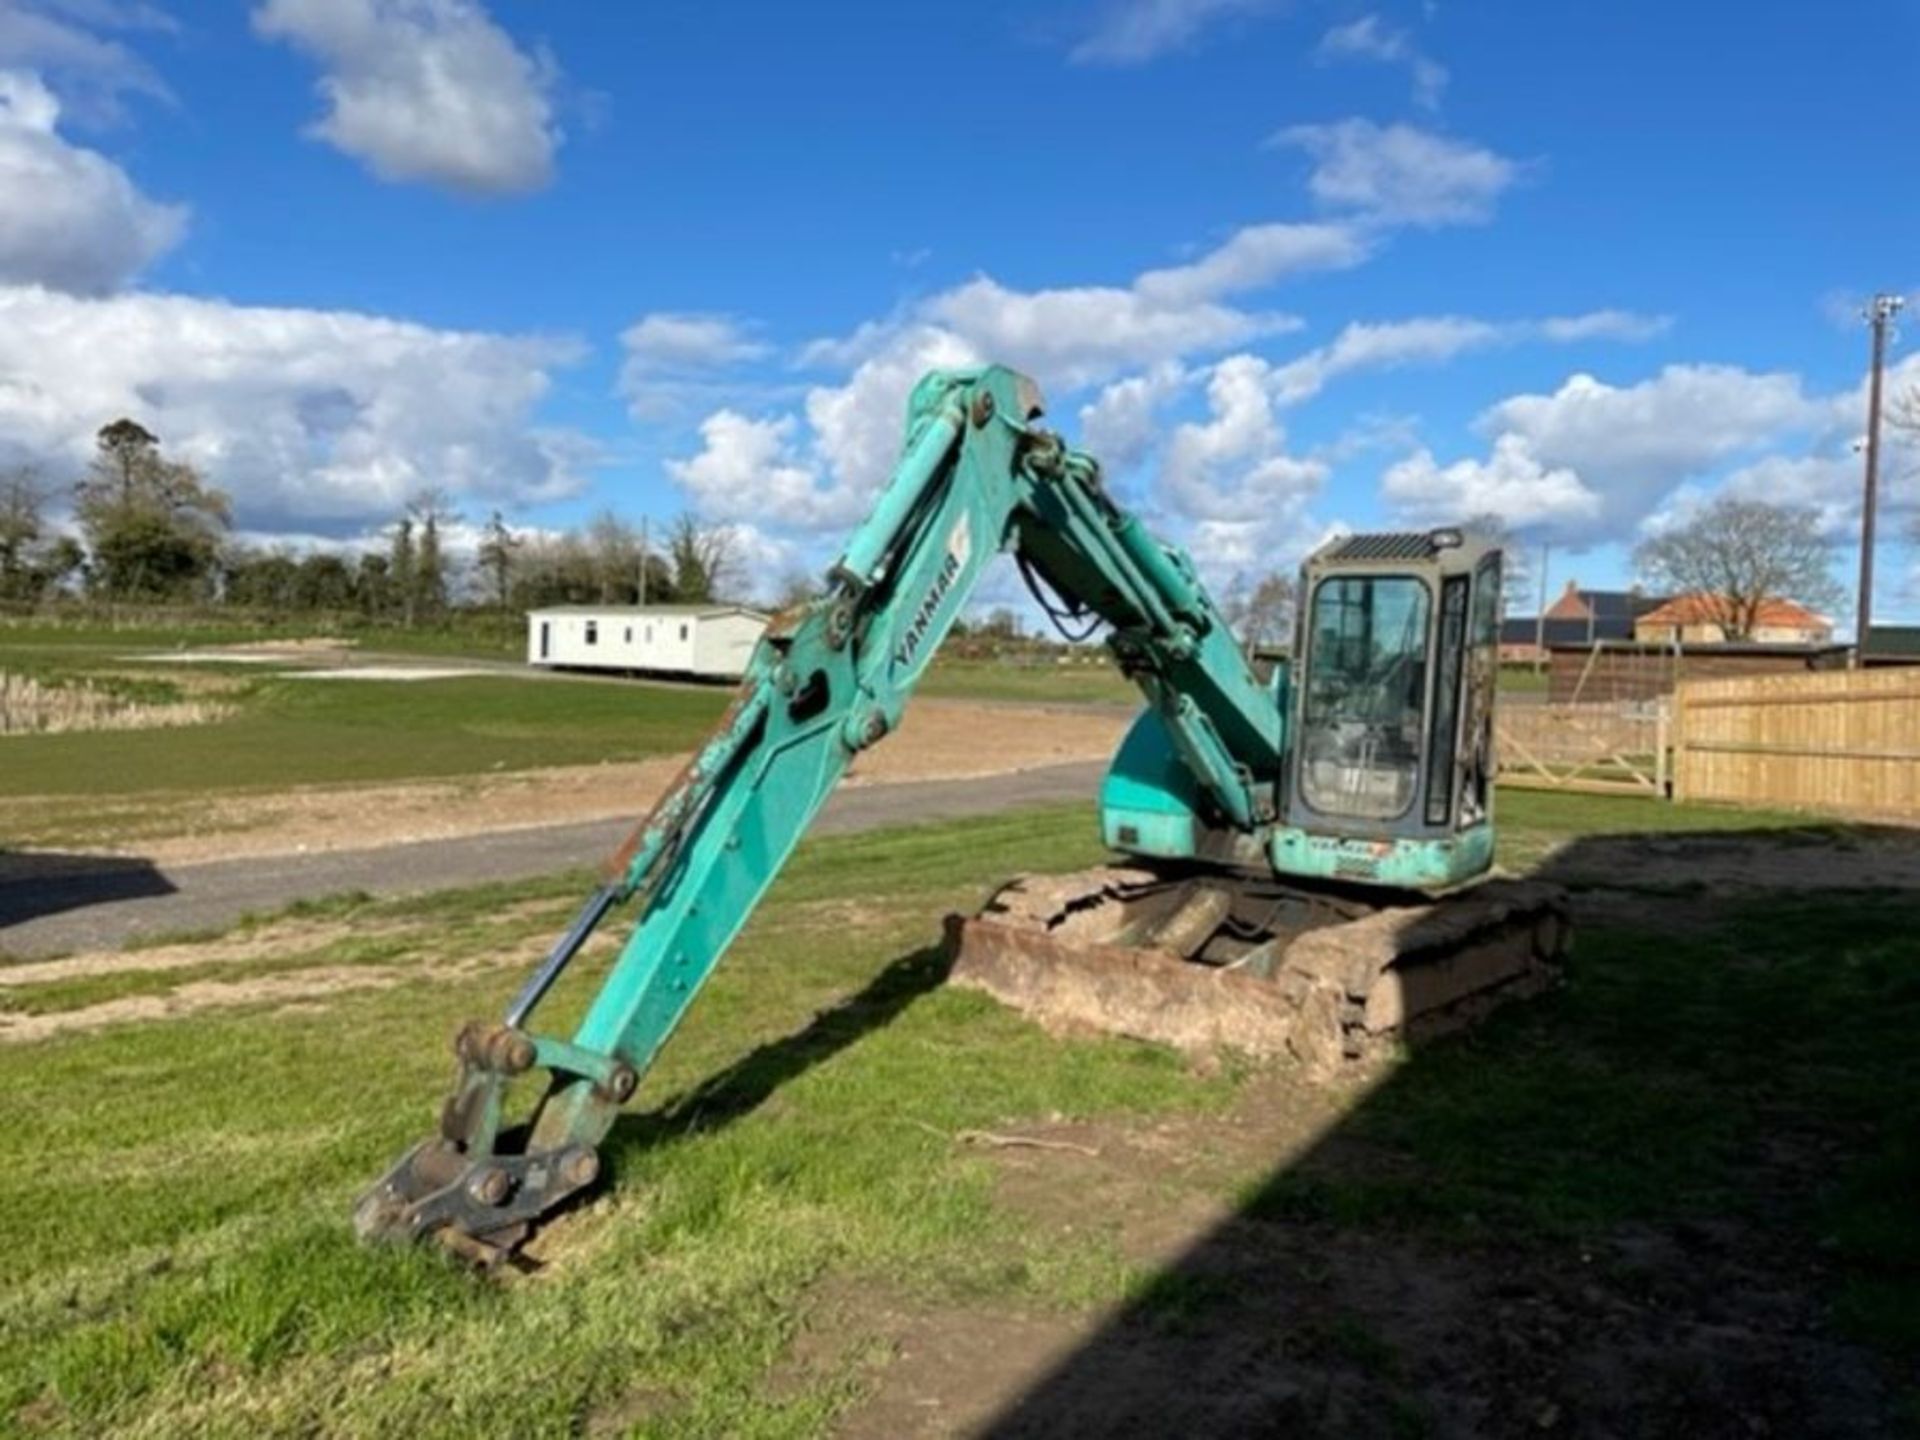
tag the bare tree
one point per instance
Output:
(797, 588)
(1903, 418)
(616, 558)
(21, 499)
(431, 513)
(1516, 568)
(1261, 609)
(703, 559)
(498, 547)
(1736, 555)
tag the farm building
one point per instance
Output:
(707, 642)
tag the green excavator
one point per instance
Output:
(1307, 854)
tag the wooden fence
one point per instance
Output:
(1845, 740)
(1612, 749)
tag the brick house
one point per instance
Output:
(1700, 619)
(1577, 617)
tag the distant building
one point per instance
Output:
(1700, 619)
(1578, 617)
(705, 642)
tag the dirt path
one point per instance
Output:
(66, 903)
(938, 741)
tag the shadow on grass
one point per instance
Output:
(1672, 1198)
(37, 884)
(737, 1091)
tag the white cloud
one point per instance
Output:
(1511, 483)
(428, 90)
(1376, 346)
(1253, 258)
(1131, 32)
(1070, 336)
(69, 217)
(672, 359)
(1606, 325)
(1641, 439)
(1437, 338)
(1400, 174)
(312, 420)
(1119, 425)
(1079, 335)
(1232, 470)
(747, 467)
(667, 340)
(1368, 39)
(62, 40)
(857, 426)
(1593, 461)
(762, 469)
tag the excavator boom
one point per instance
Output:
(830, 678)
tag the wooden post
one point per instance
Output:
(1679, 742)
(1660, 748)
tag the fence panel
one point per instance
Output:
(1842, 740)
(1609, 749)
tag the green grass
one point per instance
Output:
(173, 1248)
(292, 732)
(1092, 681)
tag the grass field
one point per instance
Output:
(174, 1256)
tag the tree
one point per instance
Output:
(153, 526)
(1903, 416)
(373, 584)
(323, 581)
(1261, 611)
(702, 558)
(616, 558)
(430, 511)
(797, 588)
(21, 498)
(401, 585)
(1736, 555)
(498, 546)
(1516, 561)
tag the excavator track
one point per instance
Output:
(1213, 961)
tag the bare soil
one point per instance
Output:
(938, 740)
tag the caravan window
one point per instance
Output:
(683, 632)
(593, 632)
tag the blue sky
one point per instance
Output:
(1285, 266)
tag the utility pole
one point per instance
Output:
(1879, 316)
(643, 561)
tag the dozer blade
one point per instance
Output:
(1225, 963)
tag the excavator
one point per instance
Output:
(1307, 856)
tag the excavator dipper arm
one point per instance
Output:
(829, 679)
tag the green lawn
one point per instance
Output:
(1094, 680)
(295, 732)
(480, 636)
(174, 1256)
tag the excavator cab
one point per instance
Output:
(1391, 705)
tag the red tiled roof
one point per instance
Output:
(1700, 609)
